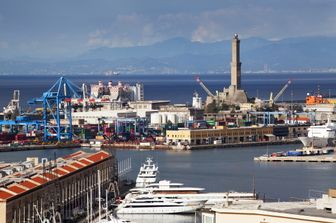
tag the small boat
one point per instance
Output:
(147, 174)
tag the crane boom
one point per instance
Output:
(198, 79)
(282, 91)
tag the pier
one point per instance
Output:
(311, 159)
(11, 148)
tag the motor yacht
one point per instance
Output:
(146, 204)
(147, 173)
(168, 190)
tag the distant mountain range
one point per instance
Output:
(179, 55)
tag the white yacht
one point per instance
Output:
(166, 189)
(320, 135)
(147, 174)
(113, 219)
(146, 204)
(163, 218)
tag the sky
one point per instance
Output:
(65, 28)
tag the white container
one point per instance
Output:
(172, 117)
(216, 142)
(156, 118)
(164, 119)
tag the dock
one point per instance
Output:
(243, 144)
(12, 148)
(310, 159)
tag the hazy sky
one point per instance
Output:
(63, 28)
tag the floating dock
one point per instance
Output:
(315, 159)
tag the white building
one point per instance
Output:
(257, 211)
(197, 101)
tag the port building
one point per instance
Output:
(60, 185)
(256, 211)
(219, 136)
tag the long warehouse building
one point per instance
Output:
(60, 185)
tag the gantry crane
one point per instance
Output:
(198, 79)
(56, 106)
(277, 96)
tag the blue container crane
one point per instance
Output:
(57, 101)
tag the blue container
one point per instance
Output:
(294, 153)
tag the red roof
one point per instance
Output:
(85, 162)
(73, 155)
(28, 184)
(16, 189)
(68, 168)
(78, 165)
(49, 175)
(39, 179)
(60, 172)
(98, 156)
(5, 195)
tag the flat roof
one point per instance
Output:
(150, 101)
(304, 208)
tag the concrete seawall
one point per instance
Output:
(36, 147)
(197, 147)
(243, 144)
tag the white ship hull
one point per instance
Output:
(163, 218)
(210, 198)
(145, 181)
(160, 210)
(316, 142)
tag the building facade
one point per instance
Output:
(224, 135)
(61, 185)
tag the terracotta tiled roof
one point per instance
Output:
(68, 168)
(80, 160)
(4, 195)
(39, 179)
(28, 184)
(60, 172)
(86, 162)
(98, 156)
(78, 165)
(16, 189)
(49, 176)
(73, 155)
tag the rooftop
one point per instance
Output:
(304, 208)
(21, 182)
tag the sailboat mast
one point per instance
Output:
(99, 196)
